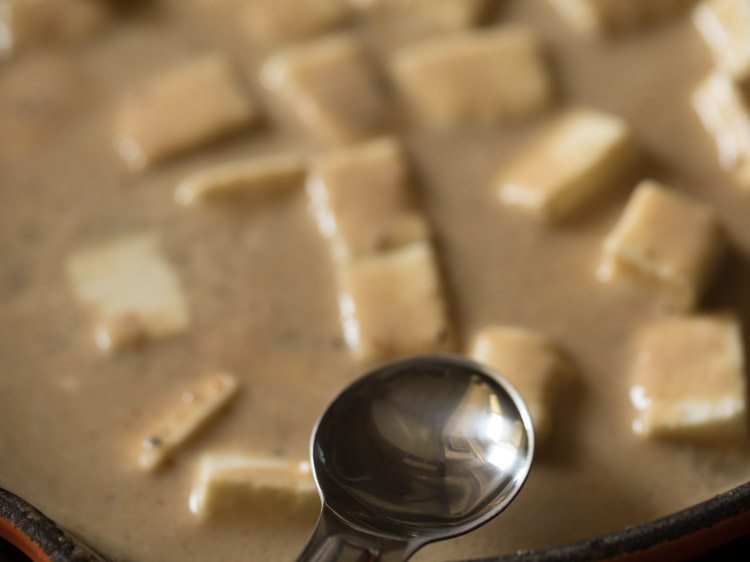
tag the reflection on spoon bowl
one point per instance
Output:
(415, 451)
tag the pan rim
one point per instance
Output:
(61, 546)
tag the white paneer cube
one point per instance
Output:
(725, 26)
(392, 304)
(600, 17)
(131, 289)
(331, 87)
(29, 23)
(431, 14)
(233, 482)
(478, 76)
(360, 197)
(280, 21)
(530, 361)
(689, 379)
(582, 155)
(198, 405)
(252, 177)
(665, 238)
(180, 109)
(725, 114)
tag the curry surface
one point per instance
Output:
(262, 293)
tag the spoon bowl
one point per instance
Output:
(417, 450)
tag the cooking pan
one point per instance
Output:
(681, 535)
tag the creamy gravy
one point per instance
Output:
(262, 293)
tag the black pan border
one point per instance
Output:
(61, 546)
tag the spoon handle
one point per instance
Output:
(335, 541)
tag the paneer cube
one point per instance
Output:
(430, 14)
(582, 155)
(476, 76)
(530, 361)
(600, 17)
(725, 26)
(197, 407)
(230, 482)
(252, 177)
(665, 238)
(689, 379)
(280, 21)
(360, 197)
(29, 23)
(131, 289)
(180, 109)
(725, 114)
(392, 304)
(331, 86)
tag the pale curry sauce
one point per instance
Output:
(261, 287)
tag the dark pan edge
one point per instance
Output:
(728, 513)
(635, 542)
(42, 532)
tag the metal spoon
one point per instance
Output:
(416, 451)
